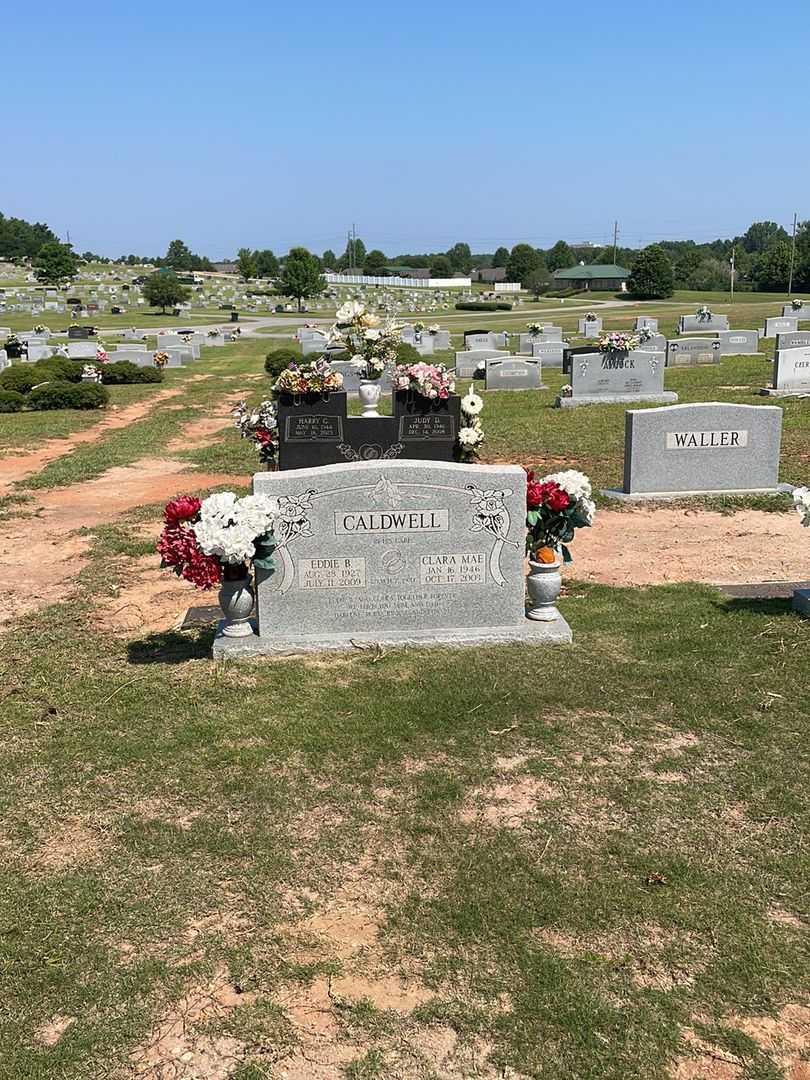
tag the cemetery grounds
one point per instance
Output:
(583, 862)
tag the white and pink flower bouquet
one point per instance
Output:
(101, 354)
(432, 381)
(618, 341)
(260, 425)
(372, 346)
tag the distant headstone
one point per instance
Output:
(801, 313)
(694, 324)
(81, 350)
(550, 353)
(590, 328)
(474, 360)
(613, 377)
(739, 342)
(514, 373)
(705, 448)
(783, 325)
(692, 351)
(798, 339)
(791, 373)
(392, 553)
(645, 322)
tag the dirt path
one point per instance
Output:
(654, 547)
(15, 467)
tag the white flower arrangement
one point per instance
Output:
(704, 314)
(535, 328)
(567, 390)
(471, 434)
(433, 329)
(229, 527)
(797, 305)
(801, 500)
(590, 316)
(90, 371)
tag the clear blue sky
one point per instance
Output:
(266, 124)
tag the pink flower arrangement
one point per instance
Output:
(432, 381)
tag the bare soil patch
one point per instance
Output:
(15, 467)
(151, 600)
(785, 1038)
(656, 547)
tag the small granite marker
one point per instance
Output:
(394, 553)
(514, 373)
(705, 448)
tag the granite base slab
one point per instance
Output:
(664, 496)
(514, 389)
(668, 397)
(525, 633)
(801, 602)
(769, 391)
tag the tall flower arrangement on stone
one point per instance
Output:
(618, 341)
(432, 381)
(372, 346)
(556, 506)
(316, 377)
(797, 305)
(260, 425)
(207, 541)
(703, 313)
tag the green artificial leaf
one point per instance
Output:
(532, 517)
(566, 554)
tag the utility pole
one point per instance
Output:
(354, 247)
(615, 239)
(731, 260)
(792, 256)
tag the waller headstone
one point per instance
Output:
(394, 553)
(706, 448)
(613, 377)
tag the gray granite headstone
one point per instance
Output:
(550, 353)
(708, 447)
(514, 373)
(81, 350)
(470, 361)
(310, 345)
(590, 328)
(646, 321)
(691, 351)
(655, 343)
(739, 342)
(791, 373)
(394, 552)
(351, 377)
(425, 346)
(693, 324)
(783, 325)
(41, 352)
(617, 377)
(797, 313)
(481, 341)
(441, 339)
(799, 339)
(4, 360)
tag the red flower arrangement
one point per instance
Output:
(556, 506)
(178, 547)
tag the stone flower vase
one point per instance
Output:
(236, 600)
(369, 393)
(543, 583)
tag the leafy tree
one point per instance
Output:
(560, 257)
(524, 260)
(178, 256)
(301, 277)
(374, 262)
(266, 263)
(246, 261)
(537, 281)
(501, 257)
(356, 249)
(712, 274)
(771, 269)
(55, 262)
(762, 235)
(460, 257)
(651, 277)
(329, 260)
(164, 290)
(440, 266)
(21, 240)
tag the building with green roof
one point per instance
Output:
(600, 277)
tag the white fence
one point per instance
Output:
(400, 282)
(507, 286)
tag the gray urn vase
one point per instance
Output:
(543, 583)
(236, 599)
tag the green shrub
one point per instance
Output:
(280, 359)
(11, 401)
(483, 305)
(65, 395)
(407, 354)
(22, 377)
(60, 367)
(122, 371)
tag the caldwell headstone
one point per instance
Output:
(791, 373)
(393, 553)
(514, 373)
(692, 351)
(695, 324)
(783, 325)
(706, 448)
(603, 378)
(739, 342)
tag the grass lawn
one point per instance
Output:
(582, 863)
